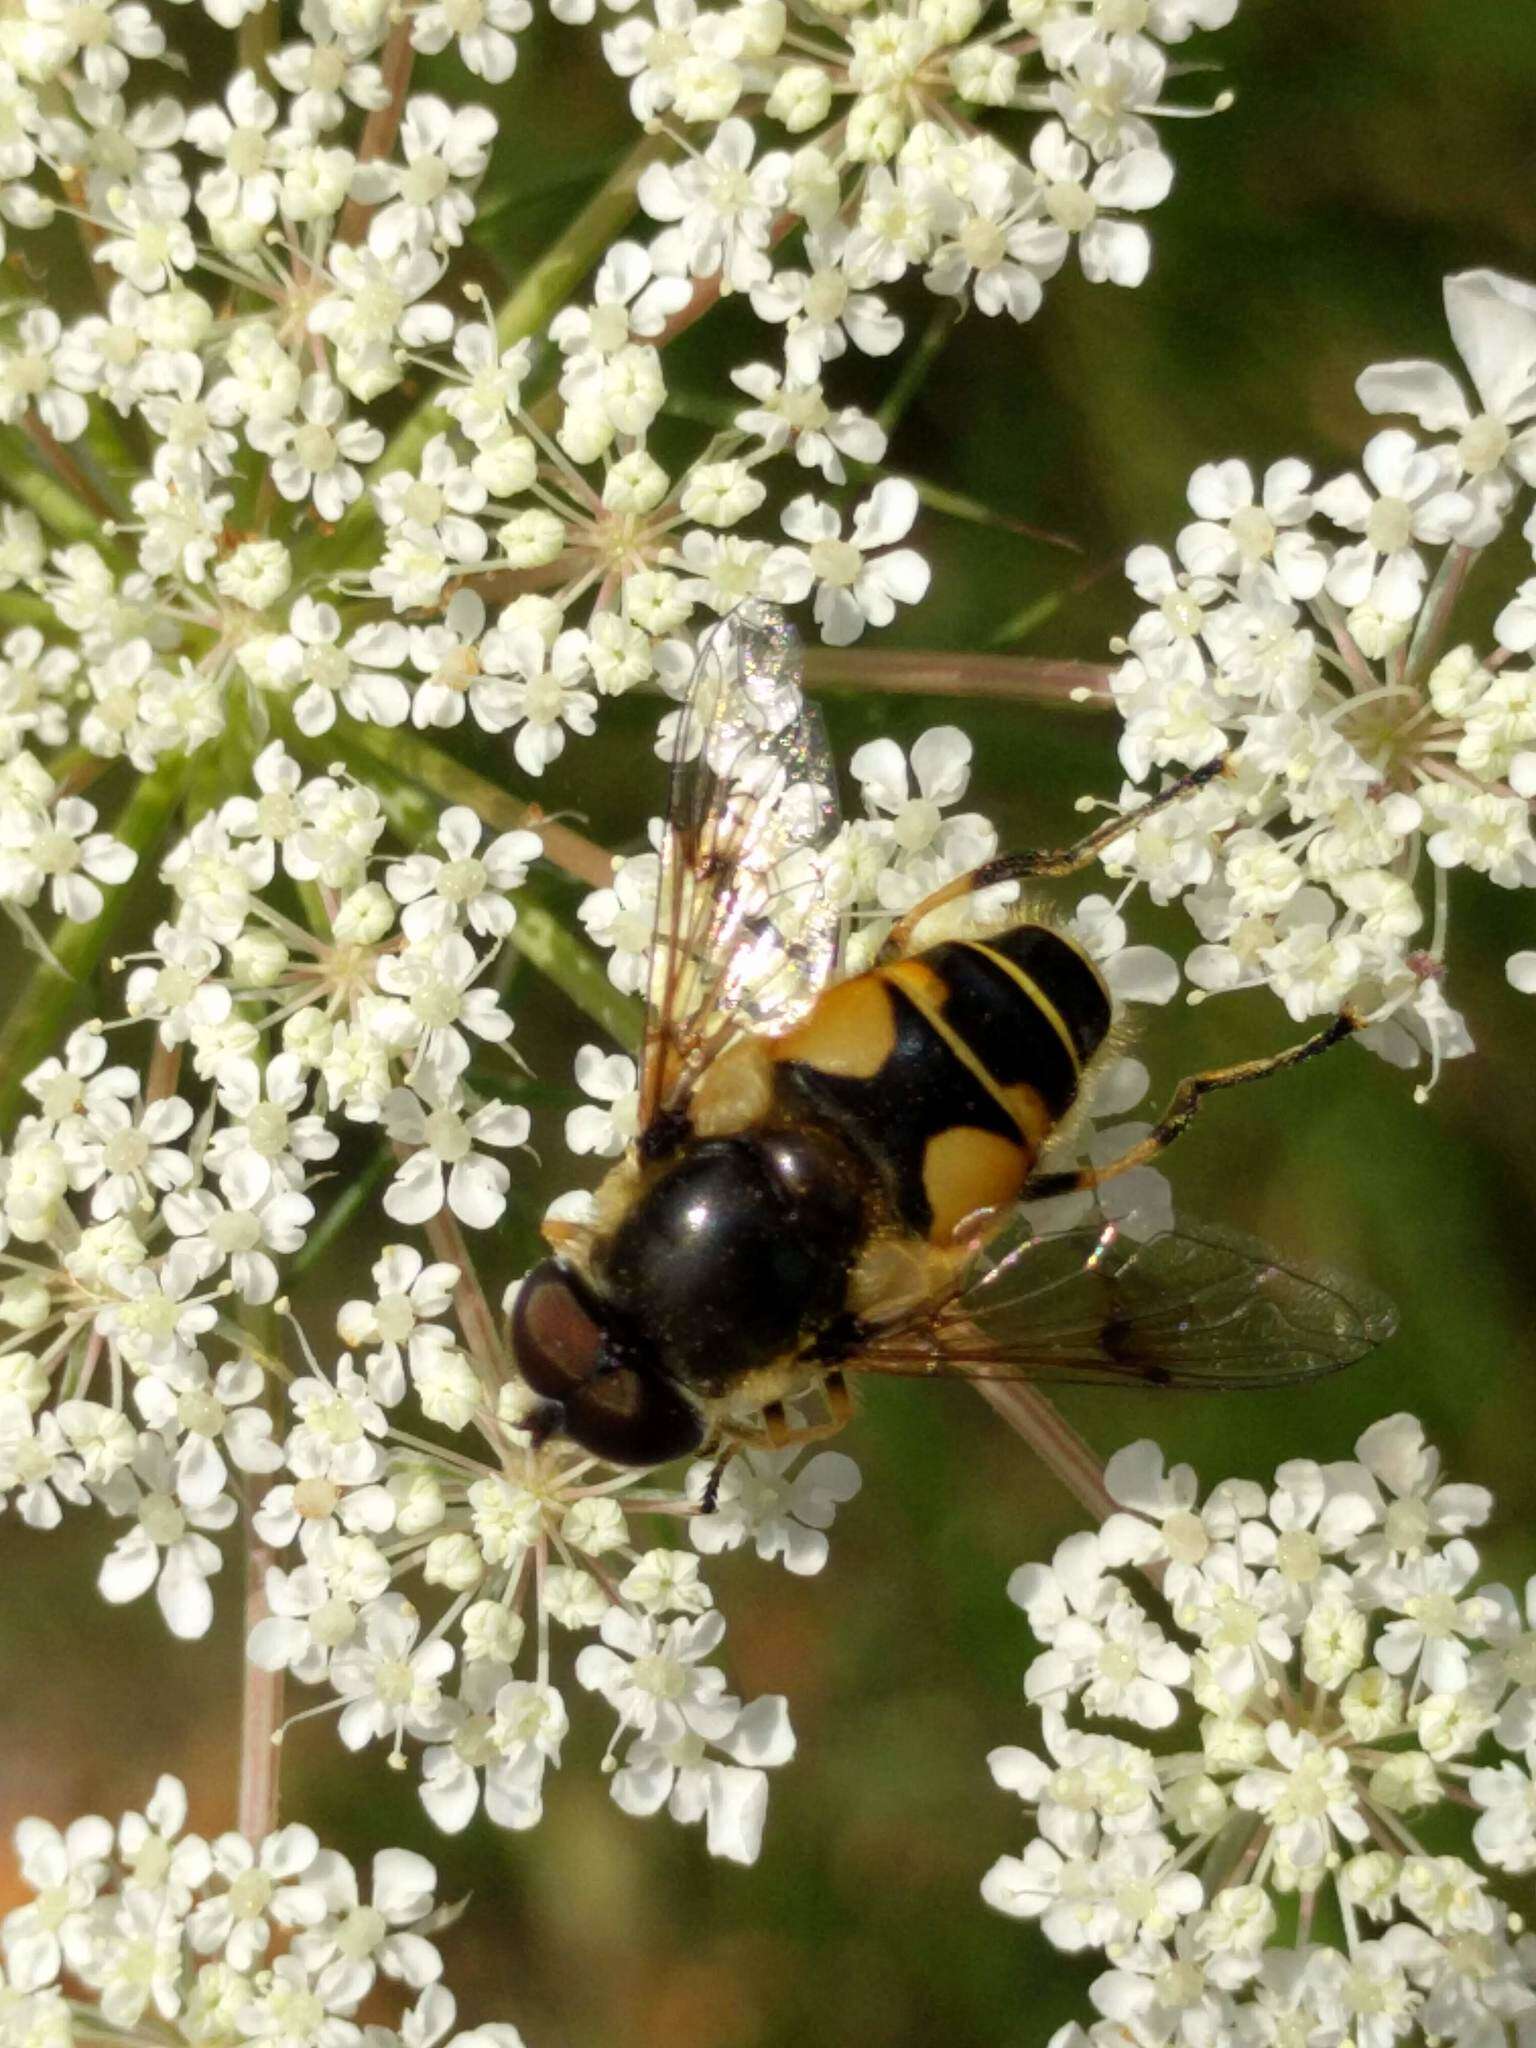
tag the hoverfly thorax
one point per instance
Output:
(831, 1171)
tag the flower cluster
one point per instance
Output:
(275, 262)
(152, 1206)
(892, 168)
(149, 1933)
(273, 265)
(1303, 632)
(1319, 1858)
(507, 1547)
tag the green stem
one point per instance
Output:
(357, 1192)
(64, 511)
(913, 373)
(544, 289)
(257, 39)
(576, 971)
(41, 1009)
(21, 608)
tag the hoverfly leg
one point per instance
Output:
(560, 1235)
(838, 1396)
(1052, 862)
(709, 1500)
(781, 1434)
(778, 1431)
(1185, 1101)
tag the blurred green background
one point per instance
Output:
(1373, 147)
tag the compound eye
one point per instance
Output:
(614, 1411)
(557, 1344)
(632, 1418)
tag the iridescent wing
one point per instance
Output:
(747, 932)
(1195, 1306)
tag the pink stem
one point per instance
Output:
(482, 1335)
(261, 1699)
(1057, 1444)
(926, 673)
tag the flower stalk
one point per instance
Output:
(1059, 1447)
(919, 672)
(261, 1696)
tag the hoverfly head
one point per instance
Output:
(598, 1380)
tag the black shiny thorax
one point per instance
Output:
(736, 1252)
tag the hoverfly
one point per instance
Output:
(830, 1171)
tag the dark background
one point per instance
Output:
(1373, 147)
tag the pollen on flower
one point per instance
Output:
(1305, 634)
(277, 1936)
(1339, 1788)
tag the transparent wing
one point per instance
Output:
(747, 933)
(1195, 1306)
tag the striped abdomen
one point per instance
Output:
(948, 1070)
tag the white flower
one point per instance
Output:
(269, 1138)
(821, 312)
(1493, 323)
(166, 1549)
(483, 30)
(610, 1078)
(436, 1005)
(67, 1870)
(1325, 1723)
(723, 205)
(622, 917)
(1305, 1792)
(784, 1513)
(1419, 1509)
(1240, 526)
(1428, 1635)
(1416, 502)
(63, 855)
(444, 1164)
(544, 694)
(212, 1418)
(247, 184)
(121, 1156)
(375, 304)
(357, 1938)
(402, 1319)
(731, 1798)
(855, 586)
(1110, 250)
(261, 1886)
(440, 144)
(391, 1686)
(316, 456)
(241, 1231)
(649, 1673)
(1267, 644)
(471, 885)
(30, 374)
